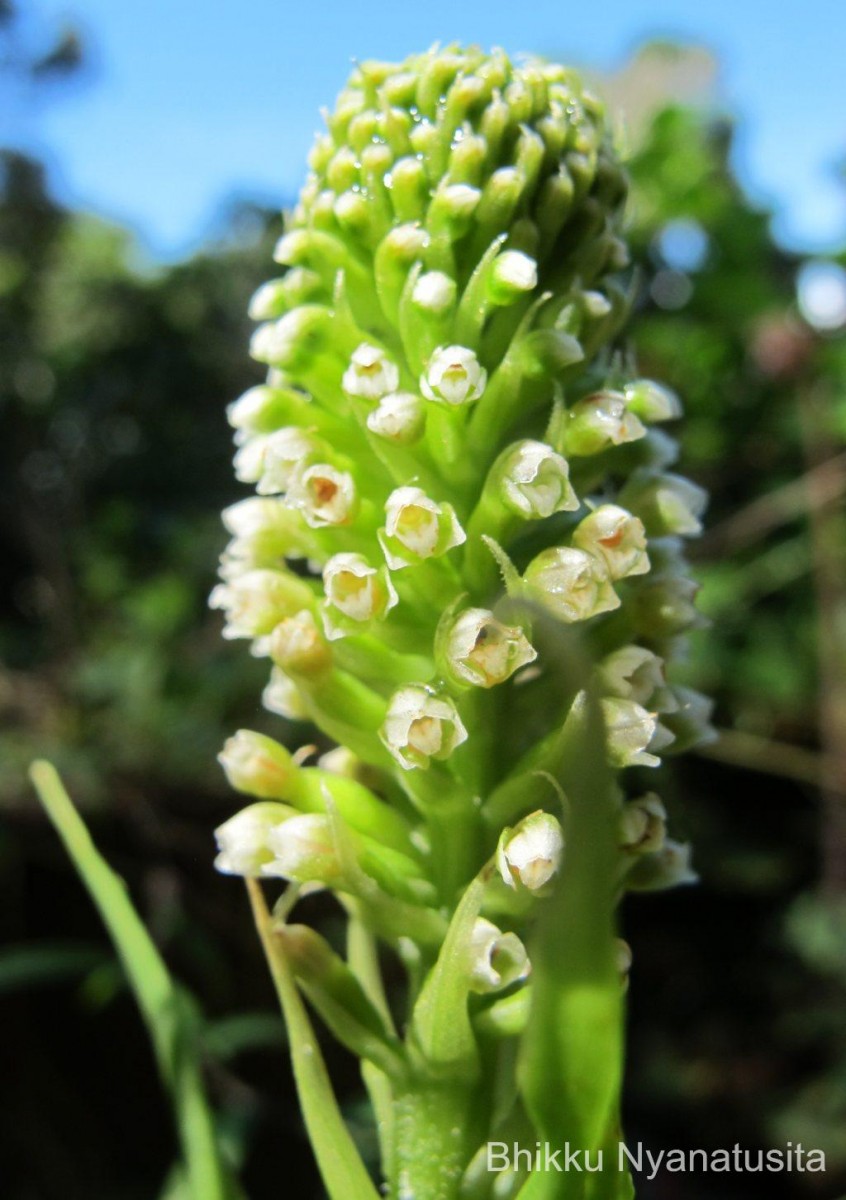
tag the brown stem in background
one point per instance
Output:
(826, 526)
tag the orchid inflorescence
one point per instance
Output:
(452, 452)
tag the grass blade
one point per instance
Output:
(342, 1170)
(170, 1020)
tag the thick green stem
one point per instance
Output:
(454, 836)
(433, 1140)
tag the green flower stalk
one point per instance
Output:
(465, 564)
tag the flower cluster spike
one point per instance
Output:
(449, 415)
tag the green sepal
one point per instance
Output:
(339, 998)
(357, 805)
(476, 302)
(168, 1012)
(506, 1017)
(441, 1029)
(390, 916)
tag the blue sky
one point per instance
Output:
(190, 102)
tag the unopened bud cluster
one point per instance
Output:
(446, 411)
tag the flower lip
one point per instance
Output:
(282, 696)
(497, 959)
(303, 849)
(417, 527)
(284, 451)
(571, 583)
(243, 841)
(536, 480)
(454, 376)
(600, 420)
(643, 824)
(617, 537)
(324, 495)
(629, 729)
(530, 855)
(371, 373)
(256, 600)
(481, 651)
(421, 725)
(356, 592)
(635, 673)
(398, 417)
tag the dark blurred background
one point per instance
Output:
(115, 460)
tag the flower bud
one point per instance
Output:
(256, 601)
(629, 729)
(254, 412)
(265, 530)
(243, 841)
(530, 854)
(652, 401)
(248, 517)
(513, 275)
(257, 765)
(453, 207)
(409, 190)
(421, 725)
(270, 459)
(623, 960)
(297, 336)
(635, 673)
(434, 292)
(665, 606)
(355, 594)
(453, 376)
(643, 824)
(417, 528)
(303, 849)
(615, 536)
(668, 504)
(297, 646)
(324, 495)
(596, 305)
(268, 301)
(353, 213)
(689, 721)
(599, 421)
(668, 867)
(535, 481)
(282, 696)
(371, 374)
(497, 959)
(571, 583)
(398, 418)
(479, 650)
(341, 761)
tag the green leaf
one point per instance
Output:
(45, 963)
(229, 1036)
(570, 1064)
(341, 1168)
(171, 1019)
(339, 998)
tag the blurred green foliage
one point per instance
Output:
(114, 465)
(114, 381)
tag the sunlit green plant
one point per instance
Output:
(465, 565)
